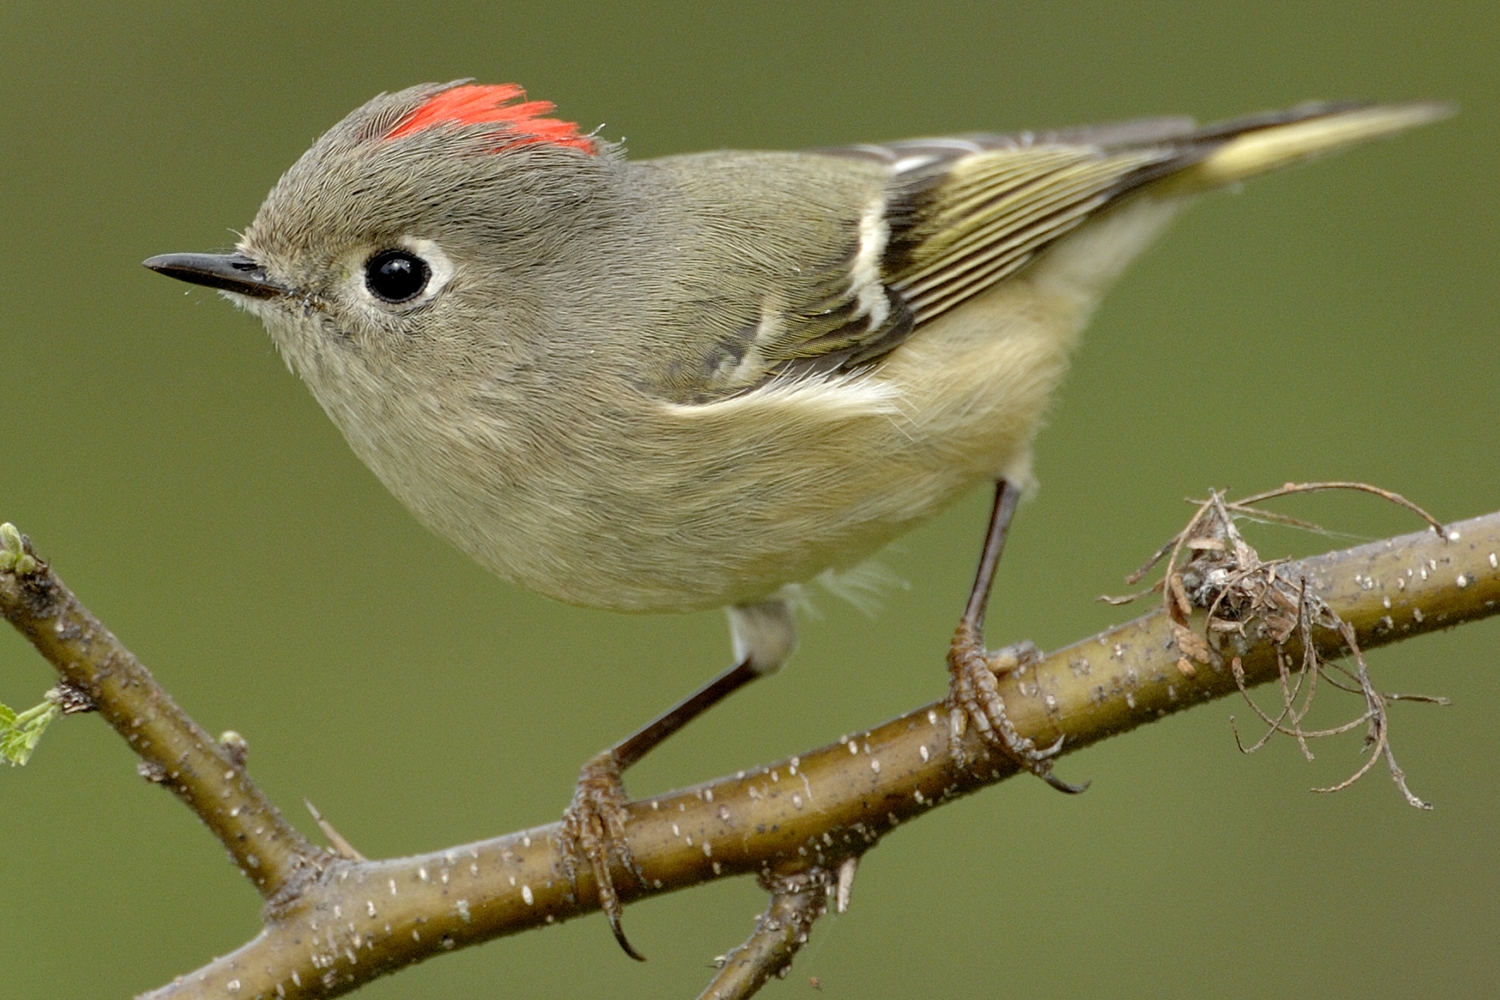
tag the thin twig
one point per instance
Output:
(797, 900)
(1395, 498)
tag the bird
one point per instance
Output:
(697, 381)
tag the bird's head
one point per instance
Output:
(412, 242)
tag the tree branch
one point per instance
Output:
(175, 752)
(333, 923)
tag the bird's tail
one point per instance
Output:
(1237, 150)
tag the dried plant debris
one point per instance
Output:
(1210, 567)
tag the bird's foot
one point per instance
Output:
(974, 699)
(592, 838)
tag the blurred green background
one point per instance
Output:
(1337, 321)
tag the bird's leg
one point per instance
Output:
(593, 828)
(973, 696)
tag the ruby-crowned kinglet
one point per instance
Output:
(690, 382)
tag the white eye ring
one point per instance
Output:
(432, 271)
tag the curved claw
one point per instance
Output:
(1063, 786)
(609, 900)
(593, 829)
(619, 933)
(1044, 771)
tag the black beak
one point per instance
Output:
(233, 272)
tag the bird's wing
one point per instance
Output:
(929, 224)
(962, 222)
(953, 217)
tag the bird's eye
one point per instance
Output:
(396, 275)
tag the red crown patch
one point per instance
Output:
(502, 103)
